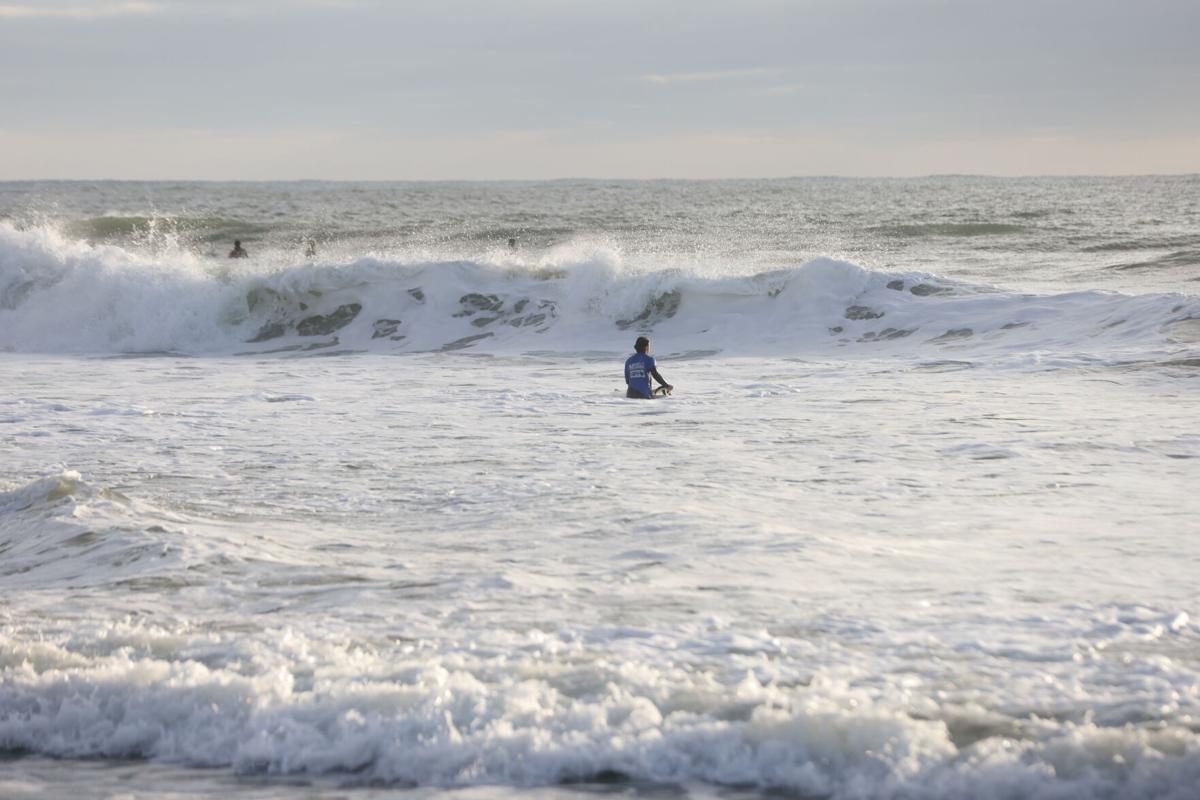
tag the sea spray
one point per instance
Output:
(61, 295)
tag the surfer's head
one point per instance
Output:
(642, 344)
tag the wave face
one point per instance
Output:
(59, 295)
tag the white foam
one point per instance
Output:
(287, 704)
(920, 575)
(59, 295)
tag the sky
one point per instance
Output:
(536, 89)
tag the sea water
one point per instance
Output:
(920, 520)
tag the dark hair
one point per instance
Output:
(641, 344)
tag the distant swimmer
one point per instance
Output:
(310, 248)
(639, 367)
(512, 244)
(237, 251)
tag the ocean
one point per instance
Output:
(366, 513)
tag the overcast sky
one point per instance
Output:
(479, 89)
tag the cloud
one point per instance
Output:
(717, 75)
(77, 11)
(244, 9)
(786, 88)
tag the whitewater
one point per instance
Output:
(919, 521)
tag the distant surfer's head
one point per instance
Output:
(237, 242)
(642, 344)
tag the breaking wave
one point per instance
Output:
(543, 709)
(60, 295)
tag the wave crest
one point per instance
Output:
(63, 295)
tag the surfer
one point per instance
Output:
(237, 251)
(639, 368)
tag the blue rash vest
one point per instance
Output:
(637, 373)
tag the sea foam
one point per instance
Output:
(551, 711)
(59, 295)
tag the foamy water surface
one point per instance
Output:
(383, 524)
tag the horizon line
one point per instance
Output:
(583, 179)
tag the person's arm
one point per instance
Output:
(659, 378)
